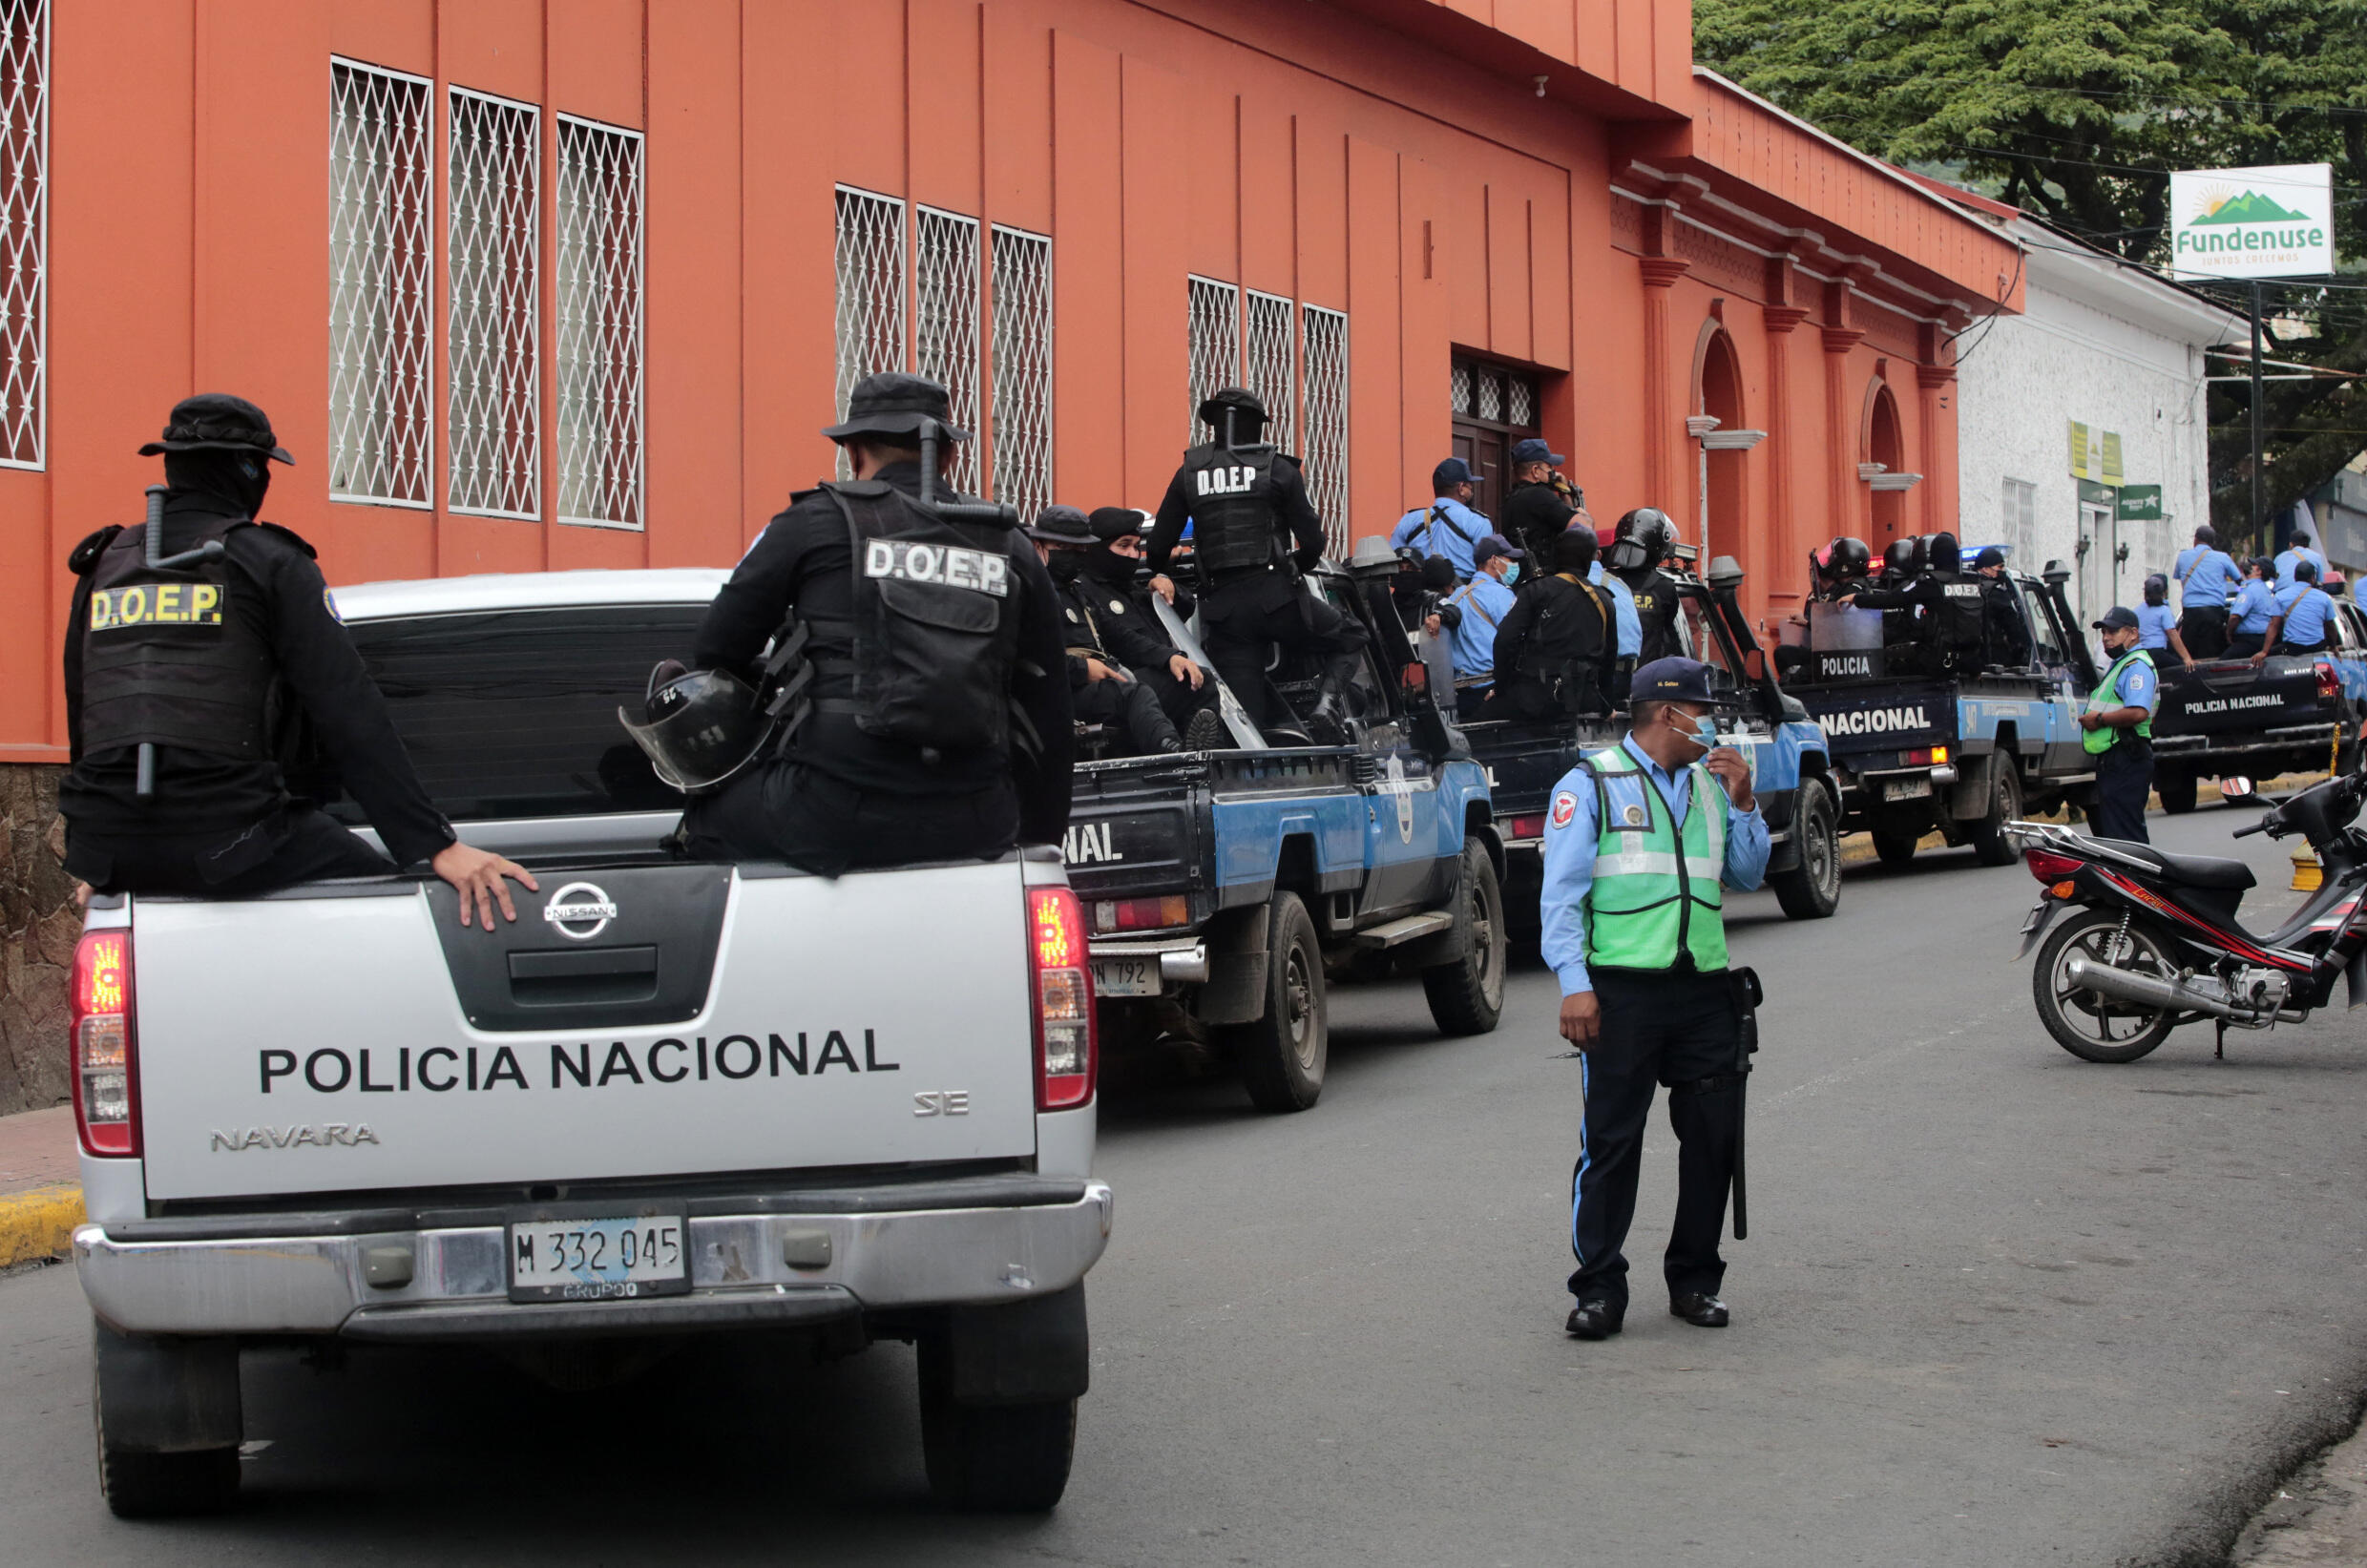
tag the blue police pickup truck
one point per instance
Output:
(1963, 755)
(1224, 890)
(1790, 766)
(2290, 713)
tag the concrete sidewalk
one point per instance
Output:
(40, 1185)
(2319, 1517)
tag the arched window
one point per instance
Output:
(1885, 444)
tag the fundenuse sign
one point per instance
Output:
(2270, 222)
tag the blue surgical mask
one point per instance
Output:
(1512, 574)
(1702, 729)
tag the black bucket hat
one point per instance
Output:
(1212, 407)
(218, 422)
(1060, 525)
(892, 403)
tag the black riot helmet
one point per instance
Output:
(700, 726)
(1940, 552)
(2156, 589)
(1845, 558)
(1644, 539)
(1899, 558)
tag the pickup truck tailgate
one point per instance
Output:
(365, 1043)
(2222, 696)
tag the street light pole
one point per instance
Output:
(2259, 513)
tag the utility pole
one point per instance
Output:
(2259, 510)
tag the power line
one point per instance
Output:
(1997, 77)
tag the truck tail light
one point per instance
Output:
(106, 1059)
(2048, 866)
(1925, 756)
(1529, 827)
(1067, 1055)
(2329, 683)
(1141, 915)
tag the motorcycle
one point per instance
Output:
(2156, 943)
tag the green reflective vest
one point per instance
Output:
(1656, 896)
(2105, 737)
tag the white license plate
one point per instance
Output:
(1905, 789)
(598, 1260)
(1129, 976)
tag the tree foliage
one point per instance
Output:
(2077, 113)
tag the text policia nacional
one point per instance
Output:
(440, 1069)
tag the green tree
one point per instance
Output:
(2077, 113)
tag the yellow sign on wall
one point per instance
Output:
(2111, 458)
(2079, 451)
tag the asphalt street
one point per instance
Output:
(1998, 1307)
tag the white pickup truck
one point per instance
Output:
(673, 1098)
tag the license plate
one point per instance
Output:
(1129, 976)
(598, 1260)
(1905, 789)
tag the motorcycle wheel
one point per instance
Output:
(2097, 1028)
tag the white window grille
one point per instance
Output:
(1213, 319)
(946, 324)
(2020, 519)
(382, 285)
(1326, 443)
(870, 290)
(1022, 268)
(1519, 401)
(1466, 389)
(24, 232)
(492, 409)
(600, 359)
(1269, 364)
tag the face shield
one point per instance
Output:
(700, 728)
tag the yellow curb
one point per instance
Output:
(39, 1223)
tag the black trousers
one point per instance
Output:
(2241, 645)
(1176, 698)
(2297, 648)
(298, 844)
(1244, 617)
(788, 812)
(2123, 778)
(2204, 629)
(1670, 1030)
(1130, 705)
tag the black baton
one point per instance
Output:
(1748, 995)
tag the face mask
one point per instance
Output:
(1702, 731)
(1065, 566)
(1107, 565)
(1512, 574)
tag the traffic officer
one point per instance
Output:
(1955, 604)
(2119, 723)
(1639, 842)
(1644, 539)
(1448, 526)
(2157, 624)
(2308, 611)
(1537, 510)
(1113, 564)
(2296, 550)
(2255, 619)
(1255, 532)
(1103, 648)
(1481, 605)
(2207, 578)
(2008, 635)
(1555, 651)
(943, 738)
(223, 665)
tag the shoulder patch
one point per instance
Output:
(1564, 807)
(85, 555)
(1118, 607)
(328, 602)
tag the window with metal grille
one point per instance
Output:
(2020, 519)
(1022, 403)
(1213, 320)
(492, 405)
(24, 232)
(1269, 364)
(946, 323)
(1494, 395)
(1324, 444)
(599, 357)
(381, 282)
(870, 290)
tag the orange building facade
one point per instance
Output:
(534, 285)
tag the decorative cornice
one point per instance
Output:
(1783, 318)
(1840, 340)
(1663, 271)
(1929, 376)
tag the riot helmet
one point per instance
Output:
(1899, 559)
(2156, 589)
(1845, 558)
(699, 726)
(1941, 553)
(1644, 539)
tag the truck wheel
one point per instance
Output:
(1466, 996)
(1283, 1052)
(183, 1385)
(1990, 844)
(1003, 1458)
(2176, 787)
(1811, 889)
(1894, 846)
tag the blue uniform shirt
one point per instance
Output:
(2256, 606)
(1459, 528)
(2293, 556)
(2210, 578)
(1572, 835)
(2139, 686)
(1485, 602)
(2154, 624)
(1630, 625)
(2307, 610)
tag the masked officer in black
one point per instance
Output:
(1845, 569)
(1644, 539)
(2008, 637)
(1954, 635)
(1103, 646)
(1557, 648)
(1537, 510)
(942, 735)
(1110, 580)
(213, 702)
(1254, 531)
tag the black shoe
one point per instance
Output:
(1170, 744)
(1207, 732)
(1593, 1320)
(1328, 722)
(1699, 1311)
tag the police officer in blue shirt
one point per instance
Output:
(2253, 619)
(1484, 602)
(2309, 613)
(1639, 842)
(2157, 623)
(2119, 723)
(1448, 526)
(2207, 578)
(2296, 551)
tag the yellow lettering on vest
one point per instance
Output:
(102, 609)
(168, 601)
(132, 606)
(205, 604)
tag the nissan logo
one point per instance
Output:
(580, 911)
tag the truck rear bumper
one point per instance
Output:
(451, 1282)
(2239, 743)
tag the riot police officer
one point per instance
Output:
(1113, 566)
(1254, 531)
(1644, 539)
(214, 703)
(1556, 649)
(898, 735)
(1105, 643)
(1953, 627)
(1843, 568)
(2009, 634)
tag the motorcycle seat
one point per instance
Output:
(2194, 870)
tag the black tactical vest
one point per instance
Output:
(936, 633)
(1958, 624)
(1234, 521)
(1656, 608)
(1567, 632)
(165, 660)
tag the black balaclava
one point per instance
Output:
(1574, 551)
(1103, 564)
(1943, 553)
(1065, 565)
(1438, 574)
(241, 479)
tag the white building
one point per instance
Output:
(2071, 413)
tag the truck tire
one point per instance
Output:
(182, 1384)
(1894, 846)
(1283, 1051)
(1987, 832)
(998, 1459)
(2176, 787)
(1811, 889)
(1466, 996)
